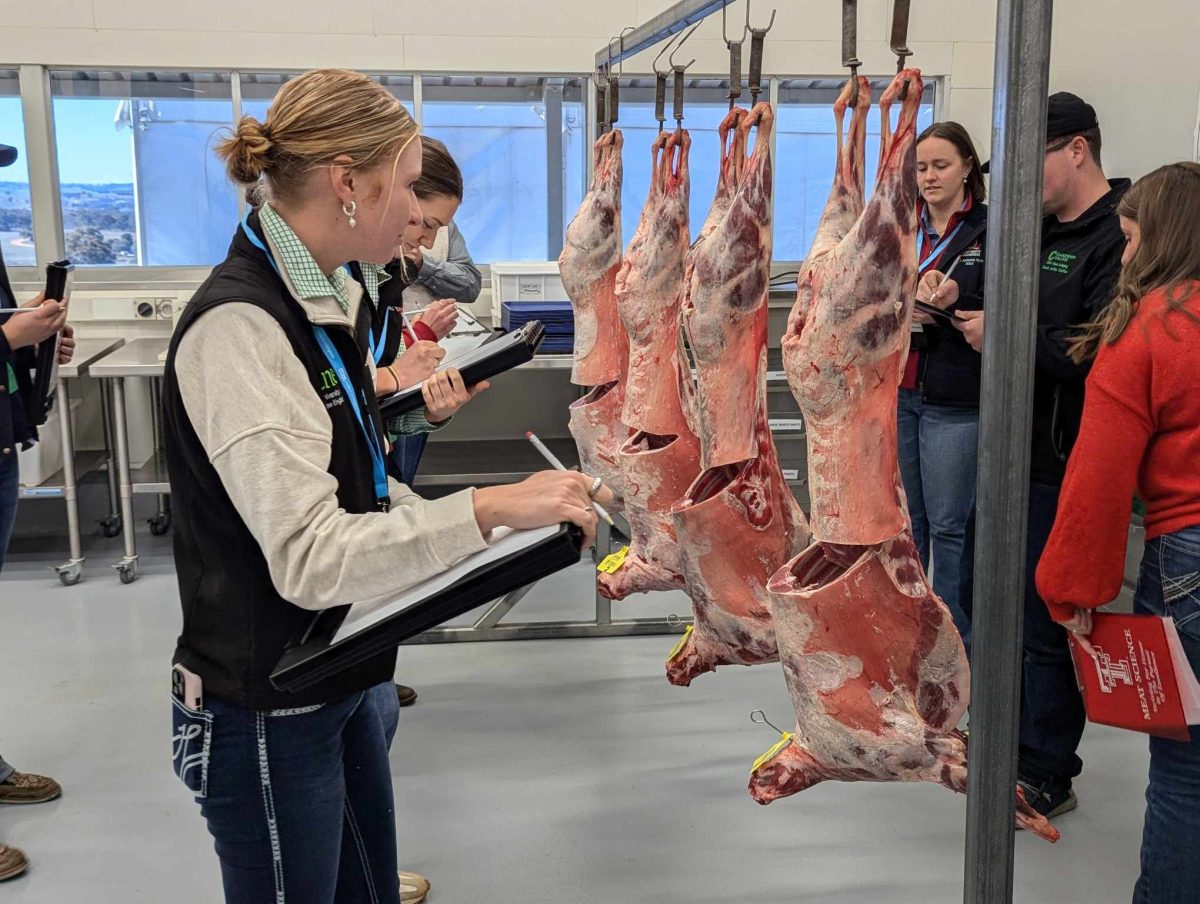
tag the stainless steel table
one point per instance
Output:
(139, 358)
(63, 484)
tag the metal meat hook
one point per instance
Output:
(735, 55)
(850, 45)
(679, 71)
(660, 85)
(756, 53)
(900, 38)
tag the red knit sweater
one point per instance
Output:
(1141, 428)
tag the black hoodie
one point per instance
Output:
(1081, 261)
(16, 425)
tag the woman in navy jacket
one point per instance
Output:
(939, 396)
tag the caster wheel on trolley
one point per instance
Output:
(69, 574)
(127, 571)
(112, 526)
(160, 524)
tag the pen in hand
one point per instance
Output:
(559, 466)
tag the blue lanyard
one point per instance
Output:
(374, 446)
(372, 438)
(941, 246)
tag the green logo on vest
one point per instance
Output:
(328, 379)
(1058, 262)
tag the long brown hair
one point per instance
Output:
(957, 135)
(1164, 205)
(440, 175)
(316, 118)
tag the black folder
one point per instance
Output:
(315, 656)
(493, 357)
(45, 375)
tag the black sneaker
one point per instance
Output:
(1049, 797)
(405, 695)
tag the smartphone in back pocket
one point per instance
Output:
(187, 688)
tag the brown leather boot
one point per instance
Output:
(413, 887)
(24, 788)
(12, 862)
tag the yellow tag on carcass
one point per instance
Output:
(610, 564)
(682, 643)
(784, 740)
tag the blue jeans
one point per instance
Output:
(10, 485)
(406, 456)
(939, 448)
(1169, 584)
(1052, 713)
(299, 801)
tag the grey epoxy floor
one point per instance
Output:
(552, 772)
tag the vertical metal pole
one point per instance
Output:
(418, 100)
(126, 480)
(70, 495)
(555, 176)
(604, 547)
(38, 108)
(235, 99)
(1013, 245)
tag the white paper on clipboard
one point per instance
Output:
(505, 541)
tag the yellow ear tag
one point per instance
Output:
(784, 740)
(610, 564)
(682, 643)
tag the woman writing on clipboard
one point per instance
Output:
(274, 450)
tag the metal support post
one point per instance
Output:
(1014, 215)
(69, 572)
(111, 524)
(603, 548)
(555, 214)
(127, 567)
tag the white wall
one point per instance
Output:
(1138, 63)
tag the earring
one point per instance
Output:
(349, 211)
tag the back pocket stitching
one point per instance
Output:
(188, 732)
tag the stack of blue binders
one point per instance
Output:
(556, 316)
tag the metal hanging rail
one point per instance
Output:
(667, 23)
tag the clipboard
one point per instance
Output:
(45, 375)
(319, 654)
(934, 311)
(493, 357)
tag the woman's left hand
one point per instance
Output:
(440, 316)
(970, 324)
(66, 346)
(1080, 625)
(445, 393)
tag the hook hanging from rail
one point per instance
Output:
(900, 38)
(679, 70)
(850, 45)
(735, 55)
(757, 35)
(660, 84)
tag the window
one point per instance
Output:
(260, 88)
(16, 217)
(706, 103)
(520, 144)
(806, 151)
(139, 181)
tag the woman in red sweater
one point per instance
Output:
(1141, 430)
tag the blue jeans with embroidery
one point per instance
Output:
(1170, 585)
(938, 448)
(299, 801)
(10, 486)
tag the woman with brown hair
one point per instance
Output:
(274, 450)
(938, 405)
(1141, 431)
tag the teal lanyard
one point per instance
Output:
(938, 249)
(374, 446)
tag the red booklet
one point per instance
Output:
(1140, 678)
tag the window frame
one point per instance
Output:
(45, 195)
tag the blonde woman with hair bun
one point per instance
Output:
(275, 453)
